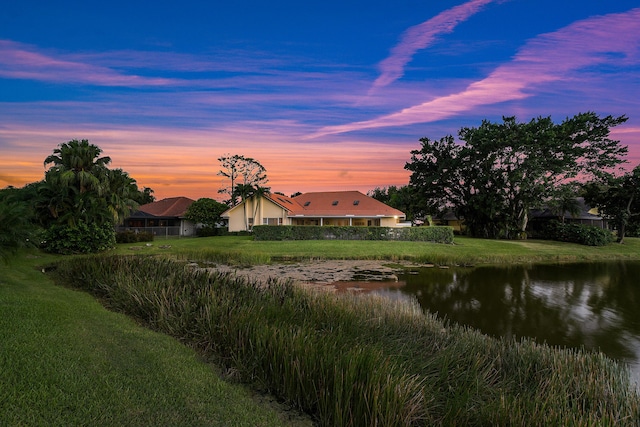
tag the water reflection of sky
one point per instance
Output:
(592, 306)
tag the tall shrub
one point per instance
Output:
(81, 238)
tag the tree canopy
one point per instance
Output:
(244, 175)
(502, 170)
(205, 211)
(401, 198)
(617, 199)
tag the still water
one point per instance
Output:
(595, 306)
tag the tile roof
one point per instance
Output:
(341, 203)
(330, 204)
(171, 207)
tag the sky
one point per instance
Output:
(327, 96)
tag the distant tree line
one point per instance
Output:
(499, 172)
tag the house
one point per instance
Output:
(339, 208)
(538, 218)
(449, 219)
(586, 216)
(162, 218)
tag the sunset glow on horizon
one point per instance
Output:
(329, 96)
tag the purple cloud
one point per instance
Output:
(421, 36)
(19, 61)
(564, 55)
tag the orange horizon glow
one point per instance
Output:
(190, 170)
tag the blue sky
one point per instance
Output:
(327, 96)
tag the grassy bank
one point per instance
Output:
(361, 361)
(65, 360)
(464, 250)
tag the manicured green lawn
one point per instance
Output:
(65, 360)
(464, 250)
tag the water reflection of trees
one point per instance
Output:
(594, 305)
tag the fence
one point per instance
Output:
(158, 232)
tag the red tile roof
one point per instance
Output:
(349, 203)
(171, 207)
(339, 204)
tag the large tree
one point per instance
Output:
(400, 198)
(246, 179)
(205, 211)
(617, 198)
(240, 170)
(502, 170)
(81, 199)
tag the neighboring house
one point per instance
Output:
(162, 218)
(341, 208)
(537, 218)
(586, 216)
(448, 218)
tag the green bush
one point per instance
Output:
(576, 233)
(293, 232)
(81, 238)
(133, 237)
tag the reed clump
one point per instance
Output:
(352, 360)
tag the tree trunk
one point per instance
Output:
(523, 225)
(621, 231)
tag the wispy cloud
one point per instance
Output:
(421, 36)
(19, 61)
(611, 40)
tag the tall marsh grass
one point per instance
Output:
(353, 360)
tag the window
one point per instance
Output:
(307, 203)
(356, 202)
(271, 221)
(335, 203)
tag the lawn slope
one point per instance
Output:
(65, 360)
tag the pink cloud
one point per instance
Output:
(559, 56)
(421, 36)
(22, 62)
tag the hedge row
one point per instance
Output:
(576, 233)
(306, 232)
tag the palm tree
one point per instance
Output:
(244, 191)
(54, 202)
(79, 164)
(258, 194)
(120, 193)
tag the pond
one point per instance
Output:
(595, 306)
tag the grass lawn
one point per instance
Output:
(65, 360)
(464, 250)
